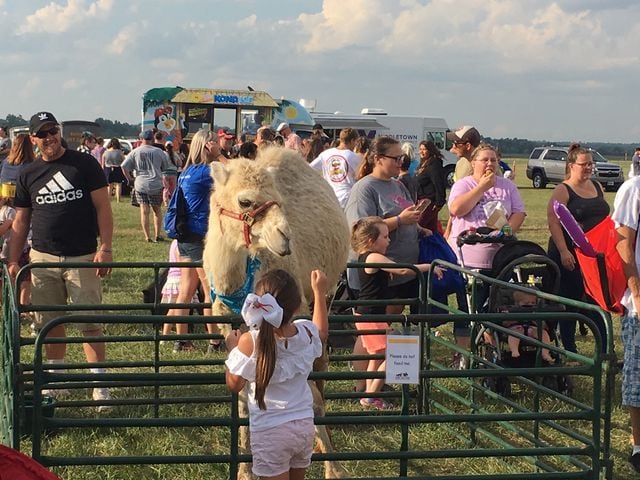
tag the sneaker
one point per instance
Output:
(459, 361)
(634, 460)
(183, 346)
(216, 348)
(99, 395)
(582, 328)
(376, 403)
(159, 239)
(34, 330)
(56, 393)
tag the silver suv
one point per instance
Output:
(548, 165)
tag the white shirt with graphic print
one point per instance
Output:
(339, 168)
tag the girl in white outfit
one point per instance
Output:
(274, 359)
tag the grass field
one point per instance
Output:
(124, 287)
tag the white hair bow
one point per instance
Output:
(258, 308)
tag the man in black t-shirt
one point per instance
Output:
(63, 196)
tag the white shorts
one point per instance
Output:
(278, 449)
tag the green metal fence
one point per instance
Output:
(535, 431)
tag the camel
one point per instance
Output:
(280, 212)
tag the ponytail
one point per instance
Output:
(285, 290)
(266, 361)
(366, 166)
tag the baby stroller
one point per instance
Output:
(526, 264)
(485, 235)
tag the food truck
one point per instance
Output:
(180, 112)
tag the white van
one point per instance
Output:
(404, 128)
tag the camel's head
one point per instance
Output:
(248, 207)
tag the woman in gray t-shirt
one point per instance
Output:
(378, 193)
(111, 160)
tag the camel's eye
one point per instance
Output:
(245, 203)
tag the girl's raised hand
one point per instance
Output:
(319, 282)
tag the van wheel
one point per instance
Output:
(538, 180)
(448, 175)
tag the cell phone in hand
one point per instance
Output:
(423, 204)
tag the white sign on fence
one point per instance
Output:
(403, 359)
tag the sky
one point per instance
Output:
(536, 69)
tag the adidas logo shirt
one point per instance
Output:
(63, 219)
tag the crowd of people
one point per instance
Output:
(58, 210)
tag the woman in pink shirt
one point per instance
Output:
(467, 200)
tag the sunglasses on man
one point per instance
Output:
(42, 134)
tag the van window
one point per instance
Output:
(436, 137)
(556, 155)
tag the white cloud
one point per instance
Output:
(166, 63)
(341, 24)
(248, 22)
(176, 78)
(512, 36)
(124, 39)
(73, 84)
(55, 18)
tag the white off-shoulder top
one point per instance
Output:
(288, 396)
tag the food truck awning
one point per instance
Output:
(225, 97)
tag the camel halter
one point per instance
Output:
(248, 218)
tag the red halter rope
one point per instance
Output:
(248, 218)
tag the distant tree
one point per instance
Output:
(522, 147)
(110, 128)
(13, 121)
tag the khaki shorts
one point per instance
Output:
(62, 286)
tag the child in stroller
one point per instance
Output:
(526, 301)
(526, 264)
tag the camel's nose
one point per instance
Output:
(286, 244)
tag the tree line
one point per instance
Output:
(108, 128)
(522, 146)
(508, 146)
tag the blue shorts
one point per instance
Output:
(631, 368)
(191, 250)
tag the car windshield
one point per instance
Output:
(597, 157)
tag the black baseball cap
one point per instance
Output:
(39, 120)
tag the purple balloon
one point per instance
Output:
(573, 228)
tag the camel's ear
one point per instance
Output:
(219, 173)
